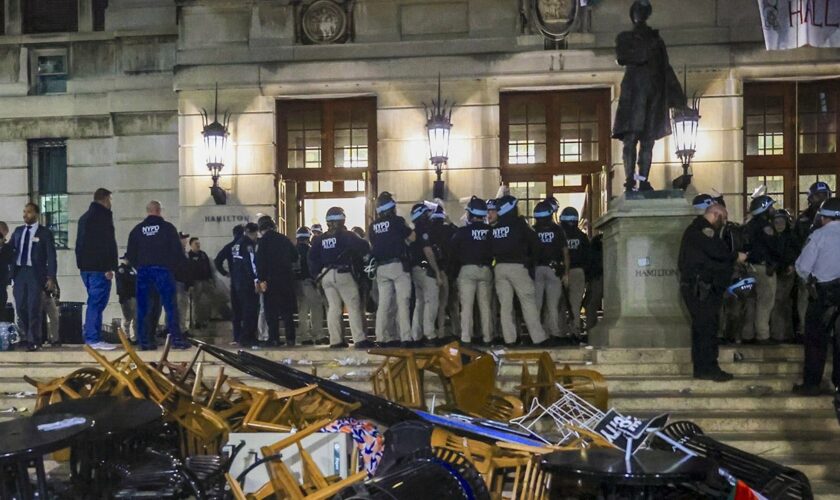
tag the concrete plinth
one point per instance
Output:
(642, 303)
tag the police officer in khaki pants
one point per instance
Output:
(471, 261)
(388, 235)
(514, 246)
(426, 277)
(764, 252)
(331, 258)
(553, 266)
(579, 253)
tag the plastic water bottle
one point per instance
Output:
(9, 336)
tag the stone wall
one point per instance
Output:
(119, 120)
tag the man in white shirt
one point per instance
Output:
(819, 266)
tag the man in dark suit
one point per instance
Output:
(34, 273)
(275, 256)
(96, 258)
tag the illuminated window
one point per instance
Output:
(48, 174)
(805, 182)
(528, 195)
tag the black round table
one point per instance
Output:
(642, 473)
(25, 441)
(110, 415)
(115, 422)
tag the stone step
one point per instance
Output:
(732, 421)
(814, 466)
(562, 354)
(826, 489)
(671, 402)
(783, 444)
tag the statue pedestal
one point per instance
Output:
(642, 302)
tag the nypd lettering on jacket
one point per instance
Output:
(328, 243)
(381, 227)
(547, 237)
(573, 243)
(479, 234)
(501, 232)
(151, 230)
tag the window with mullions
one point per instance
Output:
(526, 133)
(805, 182)
(791, 136)
(528, 195)
(303, 138)
(48, 181)
(775, 185)
(764, 127)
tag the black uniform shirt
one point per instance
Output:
(472, 245)
(275, 256)
(199, 266)
(243, 270)
(423, 240)
(765, 246)
(155, 242)
(552, 241)
(225, 256)
(578, 244)
(336, 249)
(302, 271)
(805, 224)
(440, 233)
(514, 242)
(704, 256)
(387, 236)
(126, 278)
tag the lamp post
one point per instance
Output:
(438, 126)
(685, 123)
(215, 146)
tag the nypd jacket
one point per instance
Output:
(225, 256)
(96, 243)
(765, 246)
(387, 237)
(471, 245)
(552, 241)
(578, 244)
(336, 249)
(514, 242)
(243, 267)
(155, 243)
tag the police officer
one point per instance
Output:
(275, 256)
(225, 256)
(818, 192)
(310, 306)
(514, 247)
(155, 250)
(552, 266)
(781, 320)
(388, 235)
(471, 262)
(703, 201)
(331, 260)
(705, 265)
(579, 254)
(244, 286)
(426, 277)
(819, 266)
(492, 212)
(440, 232)
(764, 252)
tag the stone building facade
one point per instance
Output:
(314, 124)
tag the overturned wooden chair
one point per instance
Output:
(282, 411)
(467, 376)
(78, 384)
(510, 471)
(312, 484)
(540, 374)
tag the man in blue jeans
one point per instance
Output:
(155, 251)
(96, 258)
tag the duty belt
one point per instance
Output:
(341, 269)
(388, 261)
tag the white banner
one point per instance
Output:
(789, 24)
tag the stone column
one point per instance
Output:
(14, 17)
(642, 303)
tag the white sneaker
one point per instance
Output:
(103, 346)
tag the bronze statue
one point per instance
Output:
(648, 90)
